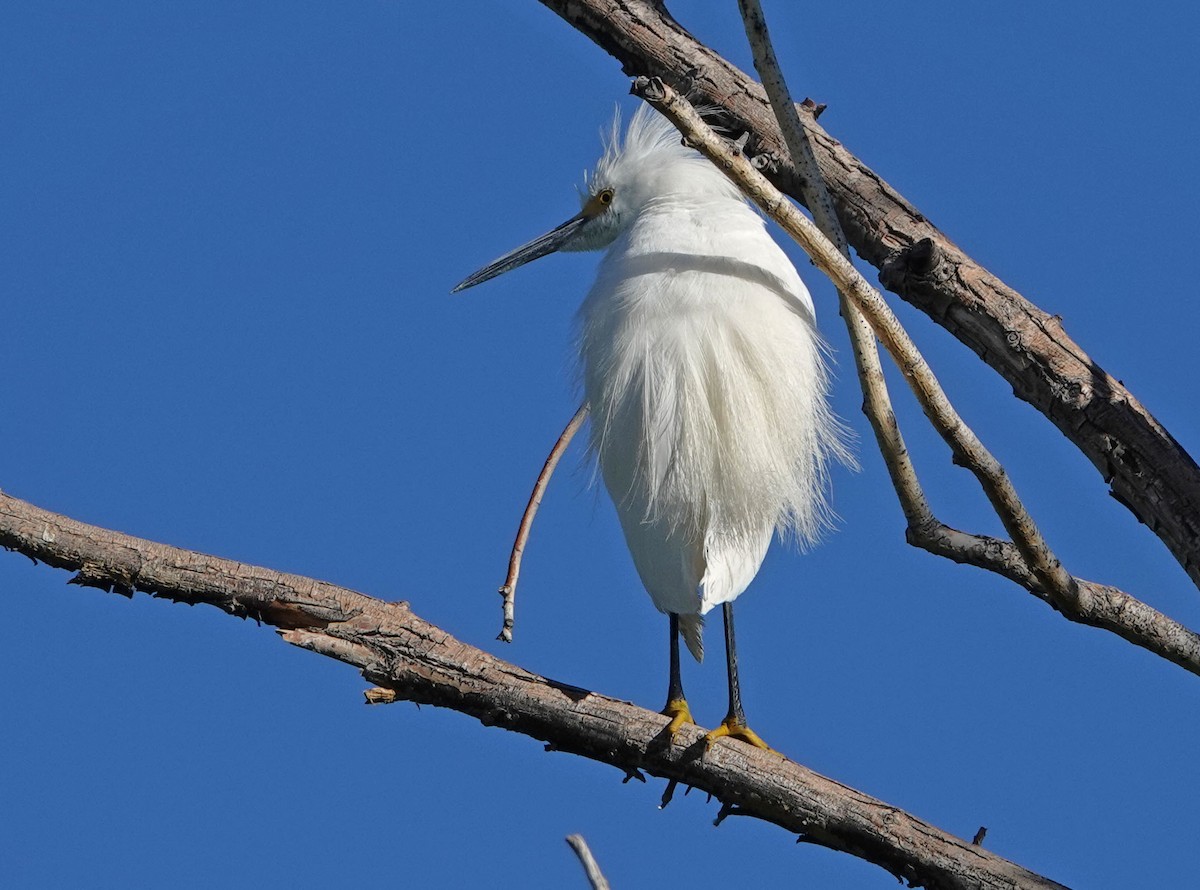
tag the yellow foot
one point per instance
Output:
(677, 710)
(733, 730)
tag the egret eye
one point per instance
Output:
(598, 203)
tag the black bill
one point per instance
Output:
(553, 240)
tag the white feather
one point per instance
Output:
(704, 375)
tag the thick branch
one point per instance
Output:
(397, 650)
(1148, 470)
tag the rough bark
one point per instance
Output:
(1147, 469)
(419, 662)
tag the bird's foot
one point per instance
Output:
(733, 728)
(677, 709)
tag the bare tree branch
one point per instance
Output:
(509, 589)
(967, 448)
(924, 529)
(422, 663)
(877, 404)
(590, 866)
(1079, 601)
(1147, 469)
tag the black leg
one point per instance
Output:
(734, 725)
(675, 689)
(677, 706)
(736, 715)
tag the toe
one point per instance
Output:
(678, 711)
(734, 730)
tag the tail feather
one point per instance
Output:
(730, 564)
(692, 629)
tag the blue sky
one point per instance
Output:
(229, 231)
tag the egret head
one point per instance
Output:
(649, 164)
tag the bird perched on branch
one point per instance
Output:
(705, 380)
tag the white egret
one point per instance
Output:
(705, 380)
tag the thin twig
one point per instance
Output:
(924, 529)
(509, 588)
(877, 404)
(794, 137)
(1060, 587)
(590, 867)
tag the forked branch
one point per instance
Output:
(924, 529)
(1148, 470)
(1036, 567)
(877, 404)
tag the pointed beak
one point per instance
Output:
(553, 240)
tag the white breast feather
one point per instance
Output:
(706, 383)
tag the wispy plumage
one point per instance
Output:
(705, 379)
(704, 375)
